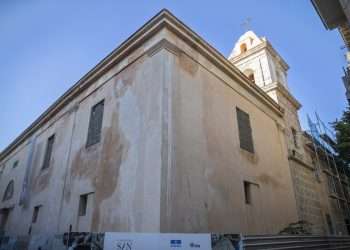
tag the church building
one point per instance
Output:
(165, 134)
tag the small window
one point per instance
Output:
(247, 192)
(295, 137)
(15, 164)
(243, 47)
(83, 204)
(35, 214)
(48, 151)
(9, 191)
(95, 124)
(245, 131)
(2, 169)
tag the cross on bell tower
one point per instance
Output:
(246, 24)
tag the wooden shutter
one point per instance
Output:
(9, 191)
(95, 124)
(245, 131)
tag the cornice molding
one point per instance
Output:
(285, 92)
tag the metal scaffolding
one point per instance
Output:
(323, 142)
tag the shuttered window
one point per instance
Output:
(95, 124)
(9, 191)
(48, 152)
(245, 131)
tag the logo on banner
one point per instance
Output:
(124, 245)
(175, 243)
(194, 245)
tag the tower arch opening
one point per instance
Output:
(243, 47)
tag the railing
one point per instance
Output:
(291, 242)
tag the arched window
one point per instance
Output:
(243, 47)
(8, 192)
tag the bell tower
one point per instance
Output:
(261, 63)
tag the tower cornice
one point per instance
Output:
(285, 92)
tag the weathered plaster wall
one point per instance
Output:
(16, 174)
(169, 158)
(207, 170)
(122, 171)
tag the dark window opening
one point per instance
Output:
(9, 191)
(83, 204)
(95, 124)
(245, 131)
(15, 164)
(48, 151)
(35, 214)
(247, 192)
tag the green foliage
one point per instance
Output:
(342, 128)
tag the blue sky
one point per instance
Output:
(46, 46)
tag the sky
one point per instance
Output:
(47, 46)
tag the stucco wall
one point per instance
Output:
(208, 167)
(122, 172)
